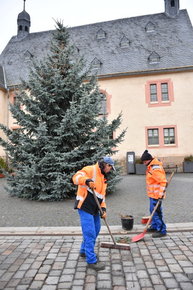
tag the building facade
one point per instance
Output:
(144, 66)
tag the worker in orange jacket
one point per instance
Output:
(156, 184)
(91, 178)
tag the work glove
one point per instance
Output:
(90, 183)
(162, 195)
(104, 215)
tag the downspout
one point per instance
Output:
(7, 117)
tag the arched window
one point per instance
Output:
(26, 28)
(103, 109)
(20, 28)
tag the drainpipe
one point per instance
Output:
(7, 117)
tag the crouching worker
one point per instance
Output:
(90, 178)
(156, 184)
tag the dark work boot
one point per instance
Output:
(98, 266)
(151, 230)
(83, 255)
(158, 235)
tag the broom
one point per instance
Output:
(112, 245)
(141, 236)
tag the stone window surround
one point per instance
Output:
(159, 103)
(161, 136)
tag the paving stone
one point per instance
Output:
(64, 285)
(44, 269)
(181, 277)
(48, 287)
(170, 283)
(117, 280)
(66, 278)
(21, 287)
(90, 286)
(75, 287)
(78, 282)
(90, 279)
(166, 275)
(40, 277)
(30, 273)
(130, 277)
(52, 280)
(19, 274)
(13, 283)
(36, 285)
(142, 274)
(3, 284)
(68, 271)
(133, 286)
(175, 268)
(185, 263)
(104, 284)
(156, 280)
(145, 282)
(186, 286)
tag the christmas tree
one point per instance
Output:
(60, 130)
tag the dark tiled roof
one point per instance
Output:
(2, 80)
(130, 45)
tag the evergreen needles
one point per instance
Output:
(60, 130)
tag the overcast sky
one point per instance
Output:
(74, 13)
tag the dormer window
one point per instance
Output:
(124, 43)
(101, 34)
(150, 27)
(154, 58)
(77, 50)
(28, 55)
(96, 63)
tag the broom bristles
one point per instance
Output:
(119, 246)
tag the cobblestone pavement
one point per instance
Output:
(129, 198)
(50, 262)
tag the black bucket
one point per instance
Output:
(127, 222)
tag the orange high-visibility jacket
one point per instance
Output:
(90, 172)
(155, 179)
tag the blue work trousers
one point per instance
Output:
(157, 220)
(91, 226)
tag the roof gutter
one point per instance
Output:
(147, 72)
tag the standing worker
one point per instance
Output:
(90, 178)
(156, 184)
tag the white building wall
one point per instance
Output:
(128, 97)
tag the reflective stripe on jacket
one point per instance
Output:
(90, 172)
(155, 179)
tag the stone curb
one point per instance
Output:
(76, 231)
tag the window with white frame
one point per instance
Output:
(164, 92)
(169, 136)
(153, 136)
(161, 136)
(153, 93)
(159, 93)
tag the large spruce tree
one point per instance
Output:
(60, 130)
